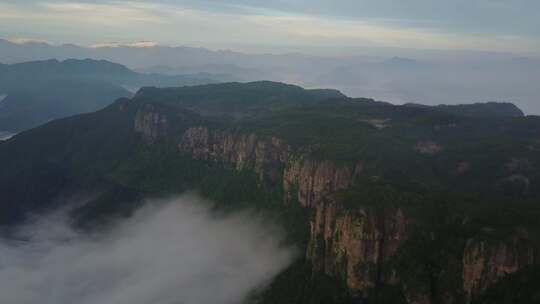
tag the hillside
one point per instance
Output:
(388, 204)
(39, 91)
(488, 109)
(237, 98)
(27, 107)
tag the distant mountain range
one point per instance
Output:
(436, 78)
(20, 74)
(144, 57)
(35, 92)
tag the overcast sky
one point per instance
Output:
(493, 25)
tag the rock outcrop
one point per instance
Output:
(348, 244)
(354, 244)
(486, 261)
(266, 158)
(151, 124)
(310, 181)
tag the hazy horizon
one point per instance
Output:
(300, 24)
(462, 51)
(368, 52)
(393, 75)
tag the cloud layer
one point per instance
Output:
(482, 25)
(170, 252)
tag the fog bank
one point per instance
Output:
(6, 135)
(174, 251)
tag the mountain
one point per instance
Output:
(387, 204)
(405, 80)
(19, 74)
(144, 57)
(237, 98)
(39, 91)
(233, 72)
(27, 106)
(397, 75)
(489, 109)
(404, 63)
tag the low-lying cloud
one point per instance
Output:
(170, 252)
(5, 135)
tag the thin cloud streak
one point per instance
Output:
(169, 23)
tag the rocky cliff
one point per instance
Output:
(152, 124)
(486, 261)
(355, 244)
(350, 245)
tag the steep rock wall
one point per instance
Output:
(310, 181)
(355, 244)
(151, 124)
(351, 244)
(243, 152)
(485, 262)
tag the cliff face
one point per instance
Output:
(351, 245)
(310, 181)
(485, 262)
(305, 180)
(152, 124)
(355, 244)
(242, 152)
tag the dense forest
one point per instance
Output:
(390, 204)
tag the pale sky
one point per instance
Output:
(487, 25)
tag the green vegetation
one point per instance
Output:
(236, 99)
(297, 284)
(457, 176)
(519, 288)
(488, 109)
(40, 91)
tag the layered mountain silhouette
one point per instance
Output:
(396, 75)
(39, 91)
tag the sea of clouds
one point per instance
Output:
(170, 252)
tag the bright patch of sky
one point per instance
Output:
(488, 25)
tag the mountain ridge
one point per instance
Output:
(38, 91)
(418, 199)
(479, 109)
(433, 78)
